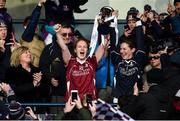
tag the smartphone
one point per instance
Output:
(74, 94)
(89, 99)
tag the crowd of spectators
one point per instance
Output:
(139, 71)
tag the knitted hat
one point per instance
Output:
(133, 10)
(132, 14)
(175, 1)
(17, 112)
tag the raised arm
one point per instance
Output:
(65, 51)
(101, 49)
(139, 36)
(140, 55)
(29, 32)
(156, 28)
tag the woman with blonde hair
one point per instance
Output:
(25, 79)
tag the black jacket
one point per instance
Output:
(155, 104)
(21, 82)
(52, 65)
(4, 61)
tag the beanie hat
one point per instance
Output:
(17, 112)
(175, 1)
(132, 14)
(133, 10)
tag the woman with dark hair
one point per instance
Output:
(129, 62)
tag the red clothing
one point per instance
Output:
(81, 77)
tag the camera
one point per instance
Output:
(74, 94)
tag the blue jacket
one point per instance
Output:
(102, 73)
(105, 71)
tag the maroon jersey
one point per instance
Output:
(81, 77)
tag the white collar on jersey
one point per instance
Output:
(80, 61)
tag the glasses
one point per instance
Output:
(154, 57)
(67, 34)
(178, 9)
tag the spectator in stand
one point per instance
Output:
(17, 112)
(80, 68)
(154, 70)
(6, 47)
(154, 27)
(14, 111)
(9, 96)
(174, 17)
(131, 22)
(159, 97)
(30, 38)
(130, 29)
(52, 65)
(7, 18)
(26, 80)
(159, 58)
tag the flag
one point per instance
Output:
(105, 111)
